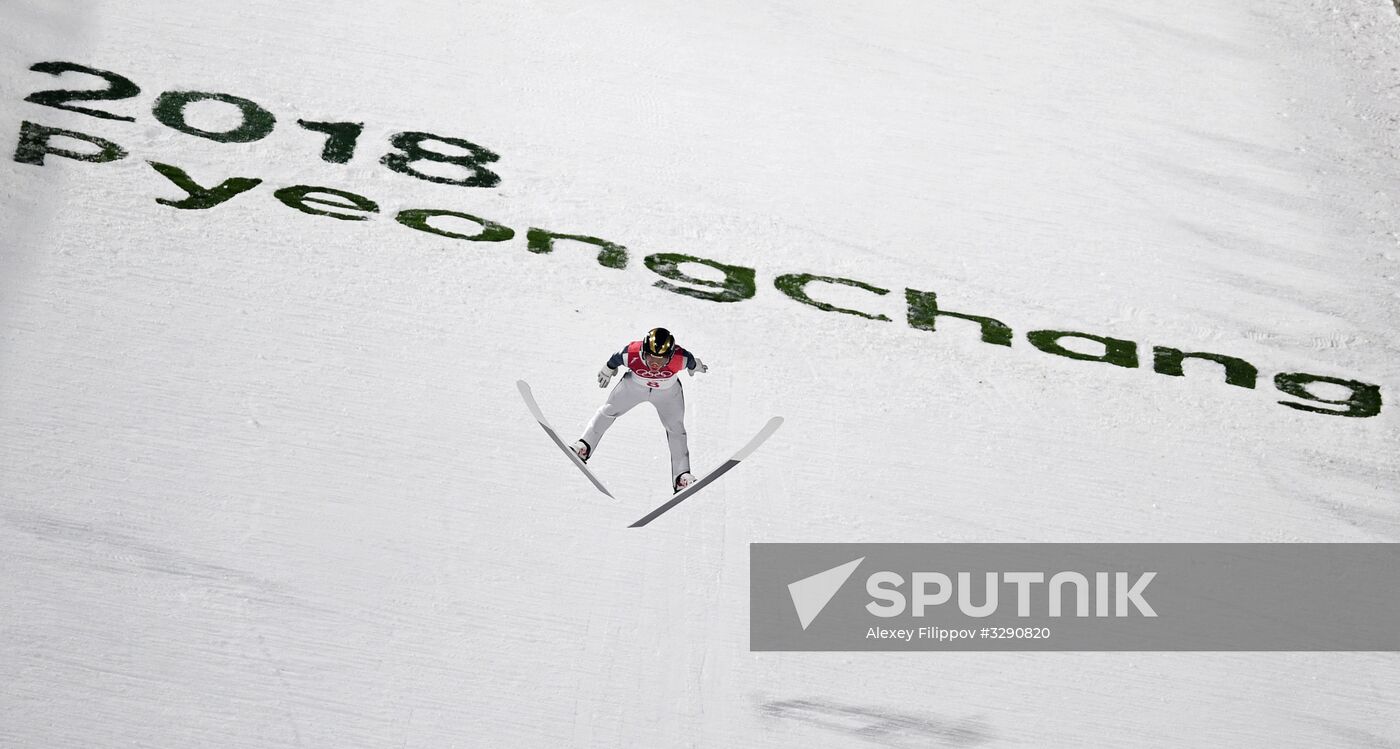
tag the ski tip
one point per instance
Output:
(522, 386)
(758, 439)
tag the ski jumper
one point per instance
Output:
(660, 387)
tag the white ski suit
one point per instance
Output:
(658, 386)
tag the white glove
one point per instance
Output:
(605, 376)
(699, 367)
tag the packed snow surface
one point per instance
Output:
(265, 479)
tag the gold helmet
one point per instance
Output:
(658, 342)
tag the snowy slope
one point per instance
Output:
(265, 479)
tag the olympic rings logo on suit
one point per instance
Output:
(651, 377)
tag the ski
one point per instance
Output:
(763, 434)
(553, 435)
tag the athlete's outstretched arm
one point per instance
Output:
(605, 374)
(693, 363)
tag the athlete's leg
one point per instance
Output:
(670, 406)
(624, 396)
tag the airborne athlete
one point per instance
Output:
(652, 365)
